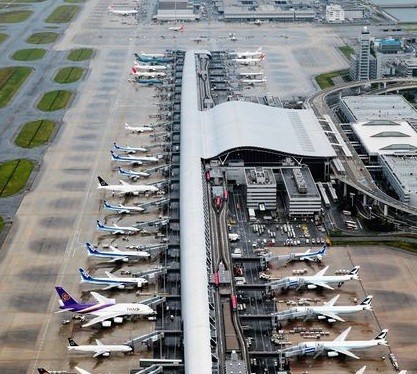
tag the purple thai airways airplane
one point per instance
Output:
(105, 309)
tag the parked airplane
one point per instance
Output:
(123, 209)
(148, 74)
(126, 188)
(249, 74)
(149, 82)
(44, 371)
(116, 229)
(246, 54)
(116, 255)
(139, 129)
(146, 67)
(134, 175)
(327, 311)
(339, 345)
(126, 12)
(177, 28)
(249, 60)
(99, 349)
(104, 310)
(134, 160)
(129, 149)
(153, 58)
(317, 280)
(304, 256)
(113, 281)
(252, 82)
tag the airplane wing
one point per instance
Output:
(332, 316)
(99, 353)
(110, 275)
(102, 316)
(343, 335)
(361, 370)
(102, 299)
(111, 286)
(320, 284)
(81, 371)
(345, 352)
(332, 301)
(321, 272)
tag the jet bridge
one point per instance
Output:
(291, 314)
(148, 338)
(300, 350)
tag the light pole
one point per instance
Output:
(370, 212)
(352, 195)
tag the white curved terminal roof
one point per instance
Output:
(236, 124)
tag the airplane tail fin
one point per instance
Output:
(102, 182)
(84, 275)
(367, 301)
(115, 146)
(65, 298)
(182, 29)
(99, 225)
(72, 343)
(110, 9)
(43, 371)
(259, 49)
(91, 250)
(382, 336)
(106, 204)
(126, 125)
(134, 71)
(262, 56)
(354, 271)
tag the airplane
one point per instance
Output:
(139, 129)
(177, 28)
(153, 58)
(340, 345)
(249, 60)
(252, 82)
(113, 281)
(129, 149)
(115, 229)
(257, 53)
(304, 256)
(149, 82)
(116, 255)
(126, 188)
(105, 309)
(127, 12)
(134, 175)
(327, 311)
(99, 349)
(44, 371)
(123, 209)
(148, 74)
(249, 74)
(149, 67)
(139, 160)
(317, 280)
(257, 22)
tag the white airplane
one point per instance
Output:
(257, 53)
(249, 60)
(249, 74)
(116, 229)
(138, 160)
(129, 149)
(252, 82)
(304, 256)
(125, 188)
(116, 255)
(327, 311)
(148, 74)
(104, 310)
(139, 129)
(339, 345)
(113, 281)
(99, 349)
(177, 28)
(123, 209)
(139, 66)
(127, 12)
(134, 175)
(317, 280)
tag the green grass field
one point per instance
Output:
(1, 224)
(347, 51)
(42, 38)
(63, 14)
(29, 54)
(35, 133)
(69, 75)
(54, 100)
(11, 79)
(3, 37)
(14, 176)
(325, 80)
(81, 54)
(15, 16)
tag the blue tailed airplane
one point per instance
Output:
(116, 255)
(120, 208)
(133, 159)
(129, 149)
(115, 229)
(134, 175)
